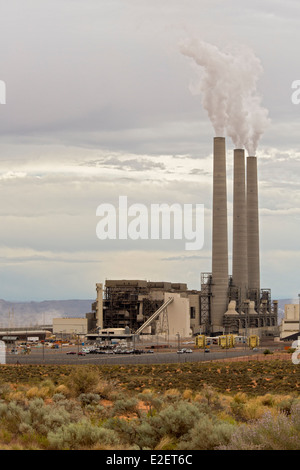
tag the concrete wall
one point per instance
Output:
(178, 316)
(194, 302)
(291, 312)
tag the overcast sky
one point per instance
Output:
(100, 104)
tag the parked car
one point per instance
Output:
(138, 351)
(184, 350)
(71, 352)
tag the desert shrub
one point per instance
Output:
(141, 434)
(32, 392)
(83, 380)
(4, 390)
(268, 400)
(16, 396)
(240, 397)
(89, 398)
(108, 389)
(33, 441)
(187, 394)
(209, 399)
(208, 393)
(207, 434)
(36, 416)
(128, 405)
(153, 402)
(279, 432)
(45, 418)
(267, 351)
(295, 415)
(253, 410)
(5, 436)
(69, 405)
(49, 385)
(172, 394)
(13, 415)
(42, 391)
(166, 443)
(175, 425)
(45, 392)
(58, 398)
(248, 409)
(81, 435)
(237, 409)
(63, 389)
(176, 420)
(147, 435)
(286, 404)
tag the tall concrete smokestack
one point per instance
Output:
(219, 237)
(239, 245)
(253, 226)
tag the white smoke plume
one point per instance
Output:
(228, 86)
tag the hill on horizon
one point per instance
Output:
(30, 313)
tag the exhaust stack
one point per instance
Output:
(239, 242)
(253, 227)
(219, 287)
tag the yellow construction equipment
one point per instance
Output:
(200, 341)
(253, 341)
(223, 341)
(226, 341)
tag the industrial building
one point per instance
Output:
(70, 326)
(290, 324)
(142, 307)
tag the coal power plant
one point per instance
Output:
(224, 303)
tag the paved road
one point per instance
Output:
(50, 356)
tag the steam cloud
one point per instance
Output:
(228, 85)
